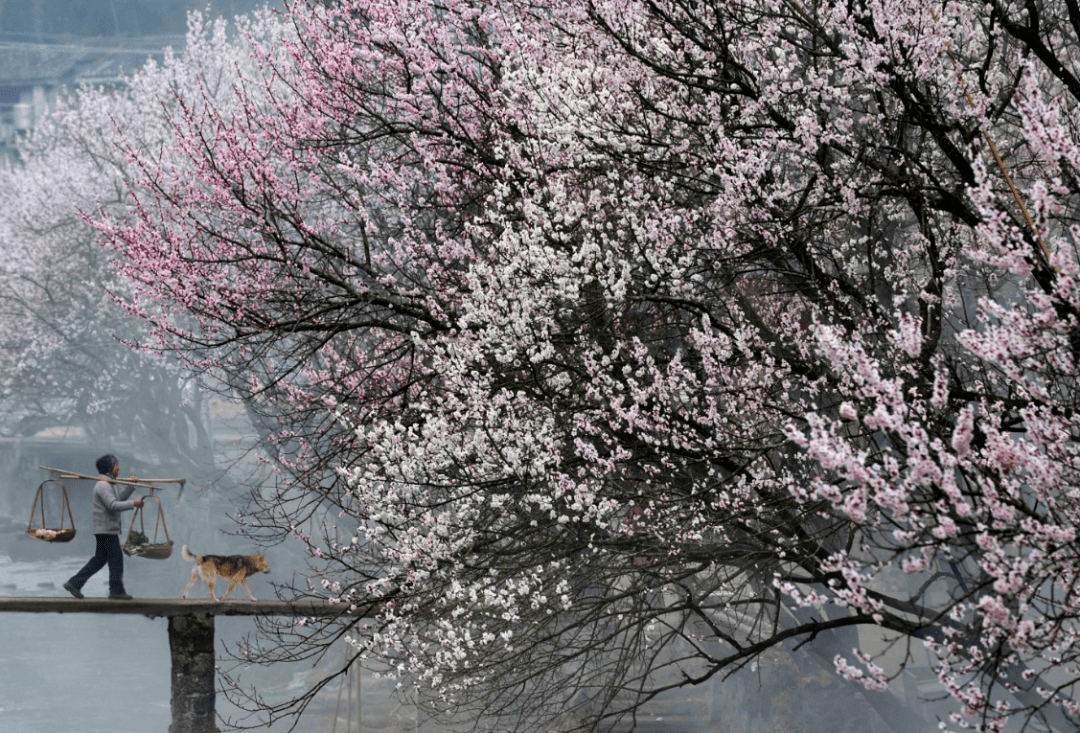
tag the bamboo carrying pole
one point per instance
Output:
(142, 483)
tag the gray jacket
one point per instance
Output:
(109, 501)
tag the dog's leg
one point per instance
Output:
(210, 584)
(232, 584)
(243, 584)
(195, 578)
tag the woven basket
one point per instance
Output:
(51, 535)
(149, 550)
(138, 544)
(44, 532)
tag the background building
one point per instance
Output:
(49, 45)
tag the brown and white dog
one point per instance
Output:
(233, 568)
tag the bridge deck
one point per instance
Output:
(169, 607)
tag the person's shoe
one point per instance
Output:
(70, 588)
(120, 597)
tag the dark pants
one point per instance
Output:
(108, 551)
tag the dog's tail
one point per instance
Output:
(187, 555)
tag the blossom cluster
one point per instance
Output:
(629, 337)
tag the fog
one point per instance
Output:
(109, 673)
(88, 672)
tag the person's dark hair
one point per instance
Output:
(106, 463)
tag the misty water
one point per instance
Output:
(88, 672)
(85, 672)
(103, 673)
(106, 673)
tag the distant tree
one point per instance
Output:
(65, 350)
(628, 341)
(62, 362)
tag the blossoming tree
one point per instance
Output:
(63, 359)
(629, 340)
(63, 353)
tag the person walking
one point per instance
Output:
(109, 501)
